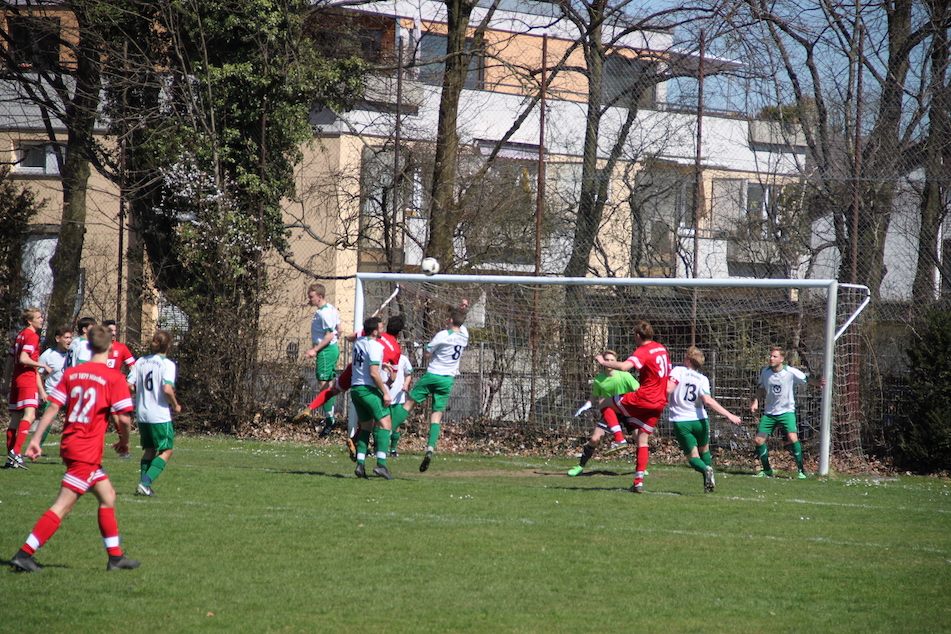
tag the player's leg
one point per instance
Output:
(326, 373)
(23, 429)
(766, 424)
(12, 431)
(793, 444)
(686, 433)
(362, 403)
(382, 434)
(441, 388)
(163, 437)
(108, 526)
(340, 385)
(43, 530)
(587, 451)
(613, 425)
(147, 440)
(396, 435)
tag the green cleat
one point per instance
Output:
(802, 475)
(575, 470)
(764, 474)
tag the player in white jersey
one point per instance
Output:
(324, 333)
(79, 351)
(399, 388)
(55, 358)
(371, 399)
(153, 379)
(444, 354)
(776, 389)
(688, 391)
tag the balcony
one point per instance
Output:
(381, 90)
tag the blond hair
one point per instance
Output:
(29, 314)
(695, 357)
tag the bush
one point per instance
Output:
(924, 438)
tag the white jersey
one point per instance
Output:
(367, 352)
(686, 401)
(326, 319)
(780, 389)
(79, 352)
(149, 375)
(56, 360)
(446, 351)
(403, 370)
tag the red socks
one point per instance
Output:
(44, 529)
(21, 437)
(11, 439)
(610, 417)
(109, 529)
(321, 398)
(643, 453)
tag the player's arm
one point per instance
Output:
(123, 427)
(713, 404)
(380, 384)
(40, 387)
(169, 390)
(25, 359)
(33, 451)
(614, 365)
(671, 386)
(758, 395)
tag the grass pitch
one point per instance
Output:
(254, 537)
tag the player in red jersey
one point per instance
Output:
(642, 409)
(25, 386)
(90, 393)
(120, 357)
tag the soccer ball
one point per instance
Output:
(429, 266)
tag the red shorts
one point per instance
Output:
(642, 418)
(80, 476)
(343, 381)
(23, 397)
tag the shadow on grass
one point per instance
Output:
(322, 474)
(586, 474)
(8, 563)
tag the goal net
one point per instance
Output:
(530, 359)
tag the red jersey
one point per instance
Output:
(653, 365)
(391, 349)
(120, 356)
(28, 341)
(89, 393)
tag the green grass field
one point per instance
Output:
(251, 537)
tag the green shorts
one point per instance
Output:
(368, 401)
(692, 433)
(786, 421)
(440, 386)
(326, 368)
(157, 436)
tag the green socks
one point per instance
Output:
(763, 454)
(363, 441)
(707, 458)
(433, 435)
(382, 437)
(328, 407)
(796, 450)
(698, 464)
(143, 467)
(154, 470)
(394, 440)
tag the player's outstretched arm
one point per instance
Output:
(713, 404)
(614, 365)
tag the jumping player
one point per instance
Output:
(642, 408)
(25, 386)
(90, 394)
(371, 399)
(120, 357)
(153, 379)
(688, 391)
(444, 354)
(324, 332)
(607, 383)
(776, 389)
(399, 388)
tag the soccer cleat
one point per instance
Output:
(360, 471)
(616, 447)
(383, 472)
(424, 465)
(329, 424)
(15, 461)
(709, 482)
(764, 474)
(351, 449)
(394, 454)
(575, 470)
(22, 562)
(122, 563)
(802, 475)
(302, 416)
(637, 487)
(141, 489)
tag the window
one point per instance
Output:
(34, 42)
(35, 263)
(432, 62)
(36, 158)
(626, 82)
(762, 209)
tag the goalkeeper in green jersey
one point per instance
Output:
(607, 383)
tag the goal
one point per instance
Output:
(533, 339)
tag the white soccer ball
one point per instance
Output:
(429, 266)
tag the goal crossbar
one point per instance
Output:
(830, 334)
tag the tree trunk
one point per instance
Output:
(442, 209)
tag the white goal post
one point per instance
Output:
(831, 328)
